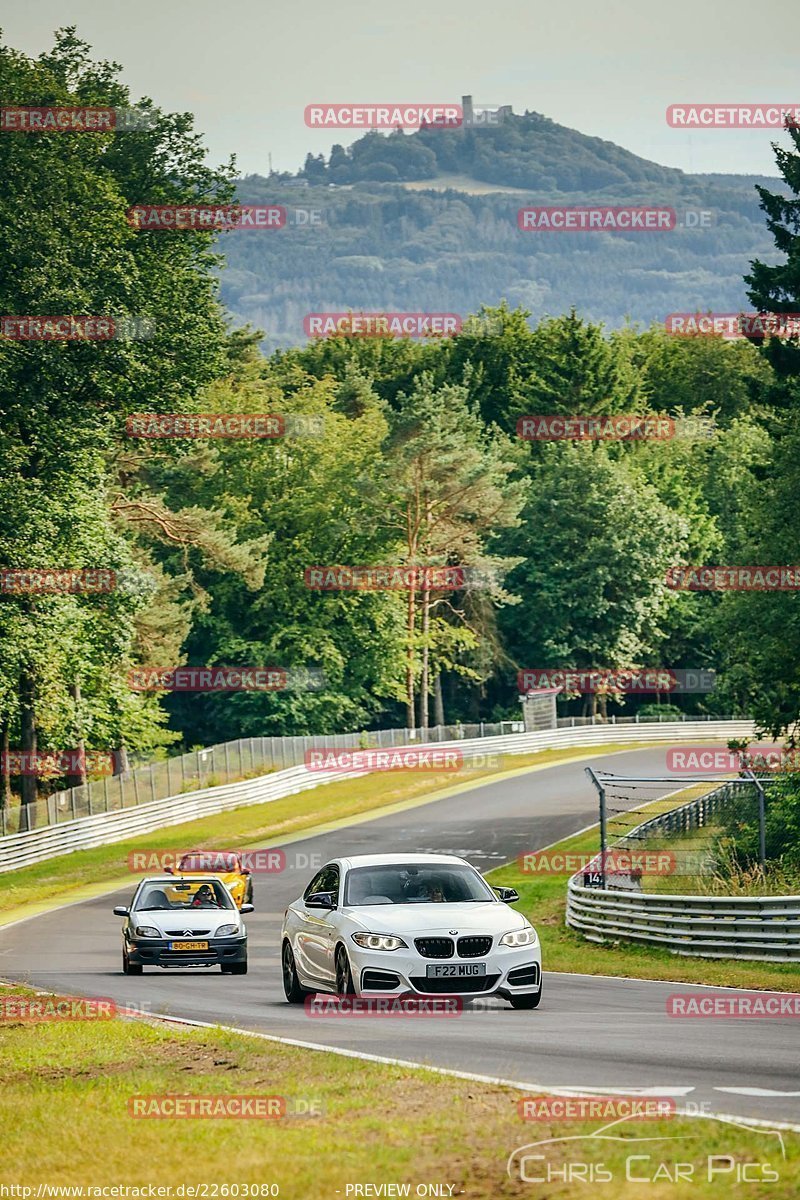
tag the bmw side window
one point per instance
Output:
(316, 884)
(331, 883)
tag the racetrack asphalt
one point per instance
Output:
(592, 1032)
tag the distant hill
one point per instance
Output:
(421, 222)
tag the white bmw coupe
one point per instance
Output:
(419, 924)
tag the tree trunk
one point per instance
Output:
(29, 780)
(5, 796)
(410, 631)
(438, 700)
(78, 778)
(121, 763)
(423, 683)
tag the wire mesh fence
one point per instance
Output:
(707, 837)
(221, 764)
(245, 757)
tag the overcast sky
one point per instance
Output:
(610, 68)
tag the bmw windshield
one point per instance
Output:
(411, 883)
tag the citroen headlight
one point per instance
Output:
(227, 930)
(379, 941)
(146, 931)
(520, 937)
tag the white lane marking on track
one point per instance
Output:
(709, 987)
(756, 1122)
(754, 1091)
(582, 1090)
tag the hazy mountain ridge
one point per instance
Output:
(370, 243)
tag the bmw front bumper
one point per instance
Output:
(509, 972)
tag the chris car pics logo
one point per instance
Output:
(621, 1153)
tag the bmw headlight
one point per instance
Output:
(227, 930)
(379, 941)
(519, 937)
(146, 931)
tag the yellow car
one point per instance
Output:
(225, 865)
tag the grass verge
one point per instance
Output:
(65, 1086)
(543, 900)
(86, 872)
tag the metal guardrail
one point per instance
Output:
(36, 845)
(753, 928)
(229, 762)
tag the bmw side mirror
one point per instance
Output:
(321, 900)
(121, 911)
(246, 908)
(507, 895)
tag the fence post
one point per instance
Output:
(762, 822)
(601, 792)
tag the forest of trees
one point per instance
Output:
(411, 458)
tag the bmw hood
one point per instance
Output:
(434, 920)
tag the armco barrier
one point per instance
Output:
(754, 928)
(36, 845)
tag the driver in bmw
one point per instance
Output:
(422, 892)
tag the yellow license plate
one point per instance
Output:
(188, 945)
